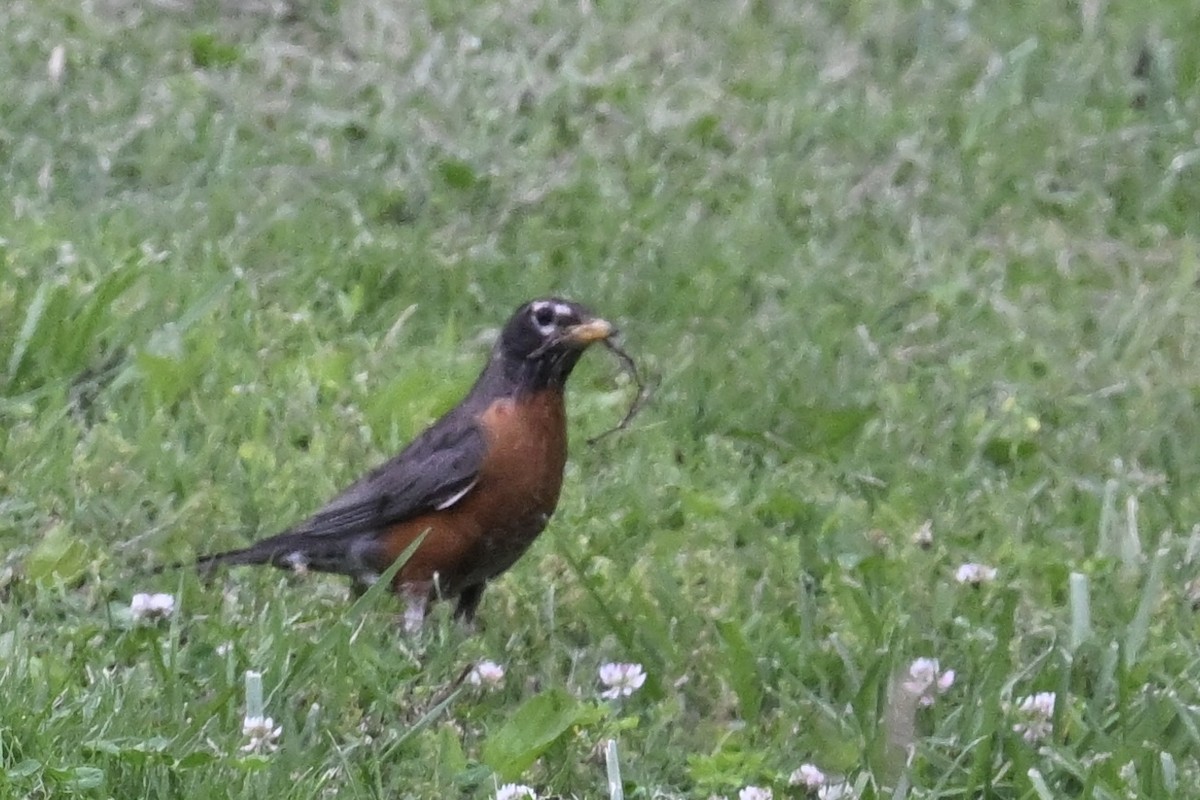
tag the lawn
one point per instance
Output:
(915, 285)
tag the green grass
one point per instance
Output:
(888, 263)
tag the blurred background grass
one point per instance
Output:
(888, 262)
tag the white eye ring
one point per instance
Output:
(543, 316)
(549, 316)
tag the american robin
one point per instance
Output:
(479, 484)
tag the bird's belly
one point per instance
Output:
(486, 532)
(497, 550)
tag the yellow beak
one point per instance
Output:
(588, 332)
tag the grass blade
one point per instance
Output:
(1081, 609)
(33, 317)
(613, 766)
(1139, 627)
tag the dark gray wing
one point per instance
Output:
(435, 471)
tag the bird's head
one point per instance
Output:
(543, 340)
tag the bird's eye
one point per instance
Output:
(543, 316)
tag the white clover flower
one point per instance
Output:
(151, 607)
(808, 776)
(755, 793)
(1037, 713)
(975, 574)
(923, 536)
(486, 673)
(926, 680)
(622, 680)
(262, 732)
(516, 791)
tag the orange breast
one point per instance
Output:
(487, 531)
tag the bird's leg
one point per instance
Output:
(468, 603)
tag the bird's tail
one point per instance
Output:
(209, 562)
(232, 558)
(286, 550)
